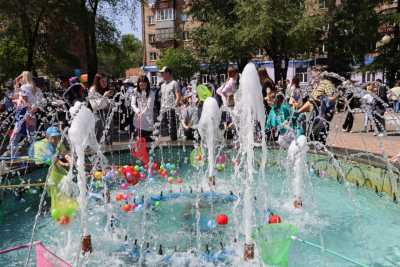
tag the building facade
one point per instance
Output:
(165, 24)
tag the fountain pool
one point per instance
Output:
(349, 220)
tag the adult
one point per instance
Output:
(170, 100)
(99, 102)
(395, 96)
(294, 95)
(230, 86)
(142, 103)
(268, 89)
(321, 104)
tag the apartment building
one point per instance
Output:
(165, 24)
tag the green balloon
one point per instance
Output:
(55, 214)
(70, 212)
(203, 92)
(157, 203)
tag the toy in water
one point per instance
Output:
(98, 175)
(128, 207)
(139, 150)
(222, 219)
(119, 197)
(298, 203)
(220, 167)
(124, 186)
(196, 157)
(64, 220)
(203, 92)
(131, 175)
(274, 219)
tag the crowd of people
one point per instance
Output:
(172, 109)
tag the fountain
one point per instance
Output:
(161, 214)
(297, 153)
(249, 112)
(208, 130)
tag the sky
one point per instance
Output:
(123, 24)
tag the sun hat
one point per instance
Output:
(53, 131)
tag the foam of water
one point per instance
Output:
(82, 135)
(297, 153)
(208, 129)
(249, 111)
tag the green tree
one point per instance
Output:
(233, 30)
(91, 15)
(217, 40)
(116, 57)
(181, 61)
(283, 29)
(353, 32)
(12, 54)
(389, 52)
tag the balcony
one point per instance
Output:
(165, 35)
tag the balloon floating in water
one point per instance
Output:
(98, 175)
(124, 186)
(119, 197)
(221, 219)
(274, 219)
(128, 207)
(64, 220)
(55, 214)
(220, 167)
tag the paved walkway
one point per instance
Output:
(358, 140)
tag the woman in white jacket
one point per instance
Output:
(99, 102)
(142, 103)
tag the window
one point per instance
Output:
(152, 38)
(153, 56)
(302, 75)
(204, 78)
(165, 14)
(186, 35)
(222, 77)
(165, 34)
(322, 4)
(153, 78)
(368, 77)
(151, 20)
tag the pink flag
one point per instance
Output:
(46, 258)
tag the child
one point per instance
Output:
(278, 118)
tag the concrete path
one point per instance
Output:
(359, 140)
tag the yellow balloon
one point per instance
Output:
(98, 175)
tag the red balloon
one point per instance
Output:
(119, 197)
(221, 219)
(274, 219)
(64, 220)
(155, 165)
(127, 207)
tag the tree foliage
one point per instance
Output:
(233, 30)
(389, 54)
(353, 32)
(181, 61)
(115, 58)
(282, 28)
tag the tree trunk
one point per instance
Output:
(332, 33)
(280, 71)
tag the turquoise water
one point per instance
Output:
(349, 220)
